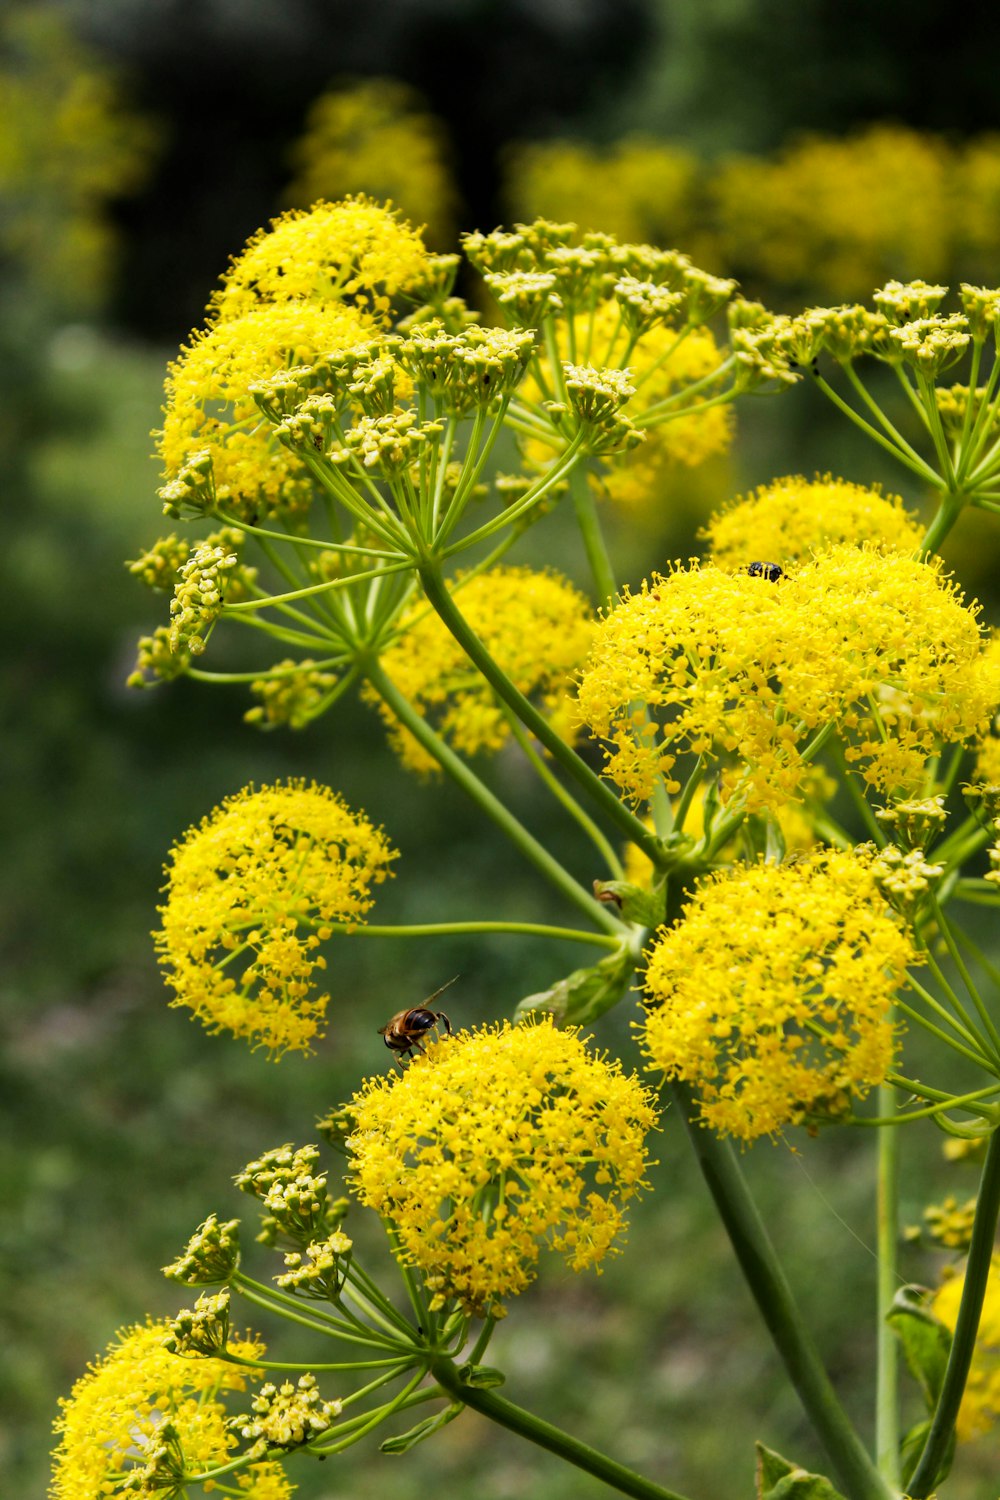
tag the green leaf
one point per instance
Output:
(778, 1479)
(481, 1377)
(407, 1440)
(586, 993)
(912, 1446)
(925, 1339)
(634, 902)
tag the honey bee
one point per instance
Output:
(402, 1034)
(767, 570)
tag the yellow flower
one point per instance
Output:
(639, 190)
(111, 1424)
(772, 995)
(251, 892)
(535, 625)
(355, 250)
(833, 218)
(378, 137)
(744, 671)
(210, 410)
(980, 1407)
(496, 1143)
(68, 148)
(784, 521)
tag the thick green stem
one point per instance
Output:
(537, 1430)
(589, 523)
(591, 783)
(490, 804)
(977, 1270)
(948, 512)
(766, 1279)
(887, 1383)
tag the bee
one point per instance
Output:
(767, 570)
(404, 1031)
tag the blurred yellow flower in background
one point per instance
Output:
(377, 136)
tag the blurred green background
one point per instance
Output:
(141, 142)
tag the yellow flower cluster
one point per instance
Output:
(772, 996)
(355, 250)
(496, 1143)
(837, 217)
(112, 1424)
(824, 218)
(744, 670)
(980, 1408)
(535, 625)
(251, 892)
(68, 147)
(316, 283)
(377, 137)
(786, 520)
(639, 189)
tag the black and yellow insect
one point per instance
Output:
(403, 1032)
(771, 571)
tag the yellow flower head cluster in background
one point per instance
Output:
(745, 671)
(787, 519)
(377, 137)
(640, 190)
(68, 147)
(315, 284)
(251, 893)
(771, 996)
(980, 1408)
(112, 1424)
(837, 217)
(535, 625)
(497, 1143)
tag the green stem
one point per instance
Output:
(947, 514)
(887, 1380)
(944, 926)
(977, 1270)
(585, 509)
(922, 469)
(487, 802)
(446, 929)
(565, 798)
(773, 1295)
(597, 790)
(538, 1431)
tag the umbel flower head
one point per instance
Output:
(355, 251)
(141, 1410)
(787, 519)
(211, 416)
(771, 997)
(498, 1142)
(534, 624)
(980, 1408)
(745, 670)
(251, 893)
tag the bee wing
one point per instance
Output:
(440, 991)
